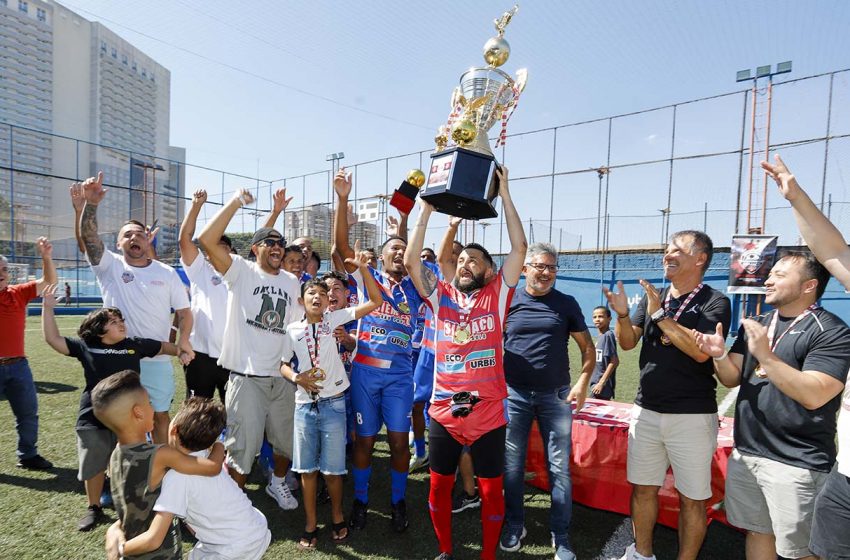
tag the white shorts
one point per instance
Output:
(686, 442)
(250, 551)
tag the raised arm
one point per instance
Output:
(397, 227)
(422, 276)
(822, 237)
(188, 251)
(78, 201)
(512, 267)
(211, 234)
(372, 288)
(48, 269)
(93, 192)
(446, 249)
(151, 539)
(48, 322)
(279, 204)
(342, 187)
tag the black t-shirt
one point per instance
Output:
(670, 380)
(101, 361)
(770, 424)
(537, 333)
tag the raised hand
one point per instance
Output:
(757, 342)
(653, 297)
(48, 296)
(342, 183)
(151, 233)
(502, 175)
(392, 226)
(244, 196)
(351, 215)
(199, 197)
(454, 221)
(45, 249)
(712, 344)
(279, 201)
(785, 180)
(93, 190)
(78, 200)
(360, 259)
(618, 300)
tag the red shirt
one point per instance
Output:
(468, 356)
(13, 317)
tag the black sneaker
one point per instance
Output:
(90, 519)
(358, 515)
(464, 501)
(35, 463)
(399, 514)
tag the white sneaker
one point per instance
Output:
(417, 462)
(292, 480)
(282, 495)
(632, 554)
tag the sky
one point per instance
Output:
(267, 88)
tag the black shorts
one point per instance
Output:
(831, 523)
(204, 376)
(488, 452)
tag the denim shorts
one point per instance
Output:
(320, 429)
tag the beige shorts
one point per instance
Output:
(686, 442)
(766, 496)
(258, 405)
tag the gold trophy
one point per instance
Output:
(462, 179)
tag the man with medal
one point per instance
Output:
(791, 364)
(468, 402)
(831, 518)
(382, 367)
(674, 420)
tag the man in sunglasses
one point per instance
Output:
(467, 406)
(539, 325)
(263, 301)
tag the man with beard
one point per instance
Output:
(791, 364)
(306, 245)
(382, 369)
(674, 420)
(539, 325)
(263, 301)
(467, 406)
(145, 291)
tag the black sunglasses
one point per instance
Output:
(270, 242)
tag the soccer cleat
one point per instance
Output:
(417, 462)
(511, 540)
(399, 516)
(282, 495)
(464, 501)
(357, 519)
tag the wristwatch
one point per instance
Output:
(659, 315)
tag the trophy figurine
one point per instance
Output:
(462, 178)
(404, 197)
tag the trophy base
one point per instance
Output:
(462, 183)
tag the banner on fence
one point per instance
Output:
(751, 260)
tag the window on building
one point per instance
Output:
(115, 53)
(103, 47)
(124, 59)
(41, 14)
(23, 6)
(3, 3)
(134, 66)
(144, 73)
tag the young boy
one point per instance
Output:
(345, 335)
(137, 467)
(320, 419)
(215, 508)
(103, 349)
(604, 380)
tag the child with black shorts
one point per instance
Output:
(103, 349)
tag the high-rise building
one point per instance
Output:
(107, 105)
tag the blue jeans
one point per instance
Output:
(320, 436)
(17, 385)
(554, 418)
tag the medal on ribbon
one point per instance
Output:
(404, 308)
(665, 340)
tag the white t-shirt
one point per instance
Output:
(209, 306)
(301, 338)
(214, 506)
(844, 433)
(259, 308)
(144, 294)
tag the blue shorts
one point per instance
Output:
(381, 397)
(423, 377)
(158, 379)
(319, 435)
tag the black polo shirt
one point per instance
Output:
(770, 424)
(670, 380)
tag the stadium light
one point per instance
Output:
(764, 71)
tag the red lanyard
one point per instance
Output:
(771, 330)
(685, 304)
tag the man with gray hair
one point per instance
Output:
(538, 327)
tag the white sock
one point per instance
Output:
(276, 480)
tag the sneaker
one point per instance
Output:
(564, 552)
(282, 495)
(632, 554)
(292, 481)
(35, 463)
(464, 501)
(90, 519)
(511, 540)
(357, 519)
(417, 462)
(445, 556)
(106, 498)
(399, 513)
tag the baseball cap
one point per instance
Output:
(265, 233)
